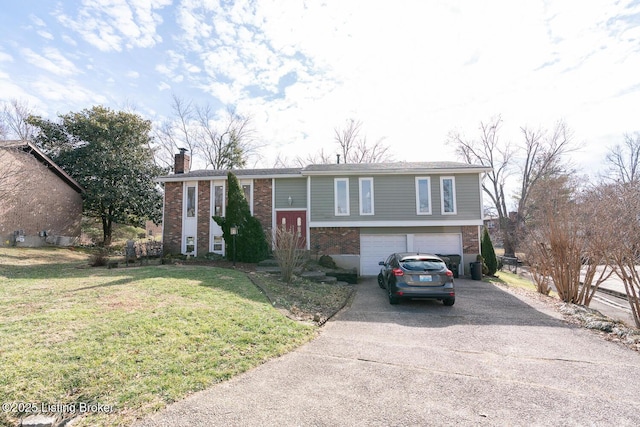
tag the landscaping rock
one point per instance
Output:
(344, 275)
(38, 420)
(327, 262)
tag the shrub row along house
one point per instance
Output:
(39, 202)
(356, 213)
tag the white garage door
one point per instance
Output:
(377, 247)
(437, 243)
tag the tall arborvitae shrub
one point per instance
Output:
(250, 242)
(489, 254)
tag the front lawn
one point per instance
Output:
(130, 339)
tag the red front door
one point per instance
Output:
(294, 221)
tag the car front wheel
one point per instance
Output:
(380, 280)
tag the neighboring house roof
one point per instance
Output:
(333, 169)
(30, 148)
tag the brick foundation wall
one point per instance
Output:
(470, 240)
(204, 216)
(335, 240)
(172, 217)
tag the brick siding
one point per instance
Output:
(262, 208)
(38, 201)
(204, 216)
(172, 237)
(470, 241)
(335, 240)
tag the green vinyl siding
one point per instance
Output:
(467, 196)
(395, 198)
(296, 188)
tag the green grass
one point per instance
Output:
(515, 281)
(135, 338)
(511, 279)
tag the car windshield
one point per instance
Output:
(422, 264)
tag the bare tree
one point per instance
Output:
(13, 124)
(355, 148)
(490, 151)
(624, 160)
(287, 251)
(175, 133)
(13, 174)
(220, 143)
(225, 144)
(543, 160)
(619, 212)
(14, 117)
(566, 245)
(321, 157)
(542, 154)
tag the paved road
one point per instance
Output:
(492, 359)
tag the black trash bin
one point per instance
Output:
(476, 270)
(454, 263)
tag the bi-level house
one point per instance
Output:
(356, 213)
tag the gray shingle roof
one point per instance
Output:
(222, 173)
(328, 169)
(396, 167)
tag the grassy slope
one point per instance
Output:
(135, 338)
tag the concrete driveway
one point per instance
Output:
(491, 359)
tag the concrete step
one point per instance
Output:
(268, 269)
(318, 276)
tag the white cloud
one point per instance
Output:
(69, 40)
(52, 61)
(5, 57)
(67, 95)
(45, 35)
(115, 24)
(411, 70)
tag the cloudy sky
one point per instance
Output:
(410, 70)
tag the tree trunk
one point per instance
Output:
(106, 231)
(508, 237)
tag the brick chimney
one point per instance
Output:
(182, 162)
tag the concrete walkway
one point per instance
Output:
(492, 359)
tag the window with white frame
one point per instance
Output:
(191, 202)
(423, 195)
(247, 189)
(218, 200)
(448, 195)
(366, 196)
(341, 196)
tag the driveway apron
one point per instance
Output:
(491, 359)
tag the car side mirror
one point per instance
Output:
(381, 263)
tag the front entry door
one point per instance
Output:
(294, 221)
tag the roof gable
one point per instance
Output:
(30, 148)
